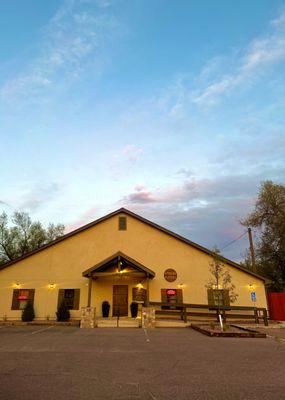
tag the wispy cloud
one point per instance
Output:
(74, 33)
(251, 63)
(38, 195)
(132, 152)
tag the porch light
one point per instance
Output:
(51, 286)
(120, 267)
(181, 285)
(251, 287)
(17, 285)
(139, 285)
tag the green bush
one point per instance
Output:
(105, 309)
(63, 313)
(28, 313)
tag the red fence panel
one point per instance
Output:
(276, 304)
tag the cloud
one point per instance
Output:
(38, 195)
(260, 54)
(206, 211)
(132, 152)
(140, 196)
(74, 33)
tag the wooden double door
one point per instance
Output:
(120, 300)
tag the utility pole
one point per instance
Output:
(253, 265)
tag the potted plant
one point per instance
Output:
(105, 309)
(63, 313)
(28, 313)
(134, 309)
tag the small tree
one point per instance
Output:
(28, 313)
(221, 277)
(63, 313)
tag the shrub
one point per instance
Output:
(63, 313)
(28, 313)
(105, 309)
(134, 309)
(212, 325)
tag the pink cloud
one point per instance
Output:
(132, 152)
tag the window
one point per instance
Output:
(172, 297)
(218, 297)
(122, 223)
(70, 297)
(21, 298)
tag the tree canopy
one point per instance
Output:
(21, 235)
(268, 217)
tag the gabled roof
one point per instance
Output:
(123, 257)
(144, 220)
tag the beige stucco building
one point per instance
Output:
(120, 258)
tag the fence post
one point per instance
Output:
(256, 315)
(265, 318)
(185, 314)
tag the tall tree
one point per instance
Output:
(268, 217)
(22, 235)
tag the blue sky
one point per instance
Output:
(174, 110)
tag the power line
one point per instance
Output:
(235, 240)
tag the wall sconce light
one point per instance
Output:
(17, 285)
(251, 287)
(51, 286)
(139, 285)
(181, 285)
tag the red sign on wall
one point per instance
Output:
(22, 297)
(171, 292)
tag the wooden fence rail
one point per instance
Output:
(183, 310)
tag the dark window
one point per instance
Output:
(122, 223)
(172, 297)
(70, 297)
(21, 298)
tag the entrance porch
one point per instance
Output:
(119, 280)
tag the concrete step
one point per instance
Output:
(113, 323)
(129, 323)
(106, 322)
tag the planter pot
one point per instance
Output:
(134, 310)
(105, 309)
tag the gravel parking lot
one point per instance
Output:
(71, 363)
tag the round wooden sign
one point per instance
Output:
(170, 275)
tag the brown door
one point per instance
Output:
(120, 300)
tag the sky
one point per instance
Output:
(172, 109)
